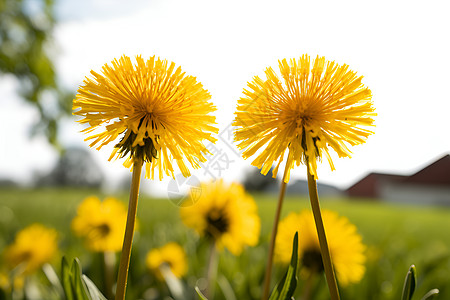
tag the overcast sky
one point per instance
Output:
(400, 47)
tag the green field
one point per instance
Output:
(396, 236)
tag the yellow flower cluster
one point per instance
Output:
(161, 116)
(101, 224)
(170, 255)
(226, 214)
(345, 244)
(33, 246)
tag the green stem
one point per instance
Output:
(213, 265)
(326, 257)
(307, 288)
(129, 231)
(267, 276)
(109, 259)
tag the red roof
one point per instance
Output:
(437, 174)
(368, 187)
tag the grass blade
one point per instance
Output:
(200, 294)
(285, 289)
(53, 278)
(431, 294)
(93, 290)
(80, 288)
(66, 278)
(410, 283)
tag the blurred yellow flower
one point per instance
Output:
(161, 113)
(226, 214)
(33, 246)
(101, 224)
(306, 111)
(5, 282)
(346, 247)
(171, 255)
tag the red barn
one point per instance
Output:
(431, 185)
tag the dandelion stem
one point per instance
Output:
(268, 274)
(109, 258)
(326, 258)
(307, 288)
(129, 231)
(213, 265)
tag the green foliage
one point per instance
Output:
(410, 286)
(26, 53)
(77, 286)
(74, 288)
(431, 294)
(200, 294)
(285, 289)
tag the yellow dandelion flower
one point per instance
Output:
(345, 244)
(33, 246)
(4, 281)
(226, 214)
(171, 255)
(161, 113)
(307, 111)
(101, 224)
(18, 282)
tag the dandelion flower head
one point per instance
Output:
(307, 111)
(161, 114)
(170, 255)
(226, 214)
(344, 242)
(33, 246)
(101, 224)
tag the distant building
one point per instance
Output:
(430, 186)
(299, 187)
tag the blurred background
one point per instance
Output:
(402, 172)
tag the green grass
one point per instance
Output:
(396, 236)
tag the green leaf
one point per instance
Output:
(431, 294)
(285, 289)
(93, 290)
(226, 288)
(200, 294)
(410, 283)
(66, 275)
(78, 284)
(53, 278)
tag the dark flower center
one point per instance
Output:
(146, 152)
(218, 223)
(25, 256)
(312, 259)
(315, 140)
(103, 230)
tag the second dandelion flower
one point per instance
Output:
(221, 213)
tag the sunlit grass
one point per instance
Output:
(396, 235)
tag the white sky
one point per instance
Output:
(400, 47)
